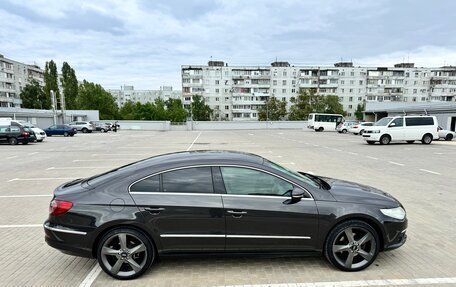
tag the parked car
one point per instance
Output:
(61, 130)
(85, 127)
(109, 125)
(219, 202)
(446, 134)
(403, 128)
(14, 133)
(343, 127)
(100, 126)
(39, 133)
(359, 128)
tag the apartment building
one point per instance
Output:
(128, 93)
(13, 77)
(236, 92)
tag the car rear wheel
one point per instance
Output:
(85, 130)
(361, 132)
(410, 142)
(344, 131)
(427, 139)
(12, 141)
(125, 253)
(449, 137)
(65, 134)
(103, 130)
(385, 139)
(352, 245)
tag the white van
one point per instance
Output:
(403, 128)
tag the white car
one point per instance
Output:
(403, 128)
(360, 127)
(446, 134)
(85, 127)
(342, 128)
(39, 133)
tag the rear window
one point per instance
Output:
(150, 184)
(419, 121)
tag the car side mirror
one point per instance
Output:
(296, 195)
(392, 125)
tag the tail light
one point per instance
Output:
(355, 127)
(57, 207)
(25, 134)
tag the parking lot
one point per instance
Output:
(422, 177)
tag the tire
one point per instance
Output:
(320, 129)
(385, 139)
(85, 130)
(355, 134)
(427, 139)
(25, 143)
(344, 131)
(103, 130)
(65, 134)
(361, 132)
(12, 141)
(40, 141)
(352, 245)
(370, 142)
(110, 257)
(410, 142)
(449, 137)
(71, 135)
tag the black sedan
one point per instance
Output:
(219, 202)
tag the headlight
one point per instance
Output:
(397, 213)
(376, 132)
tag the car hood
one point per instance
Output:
(346, 191)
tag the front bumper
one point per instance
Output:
(396, 234)
(371, 137)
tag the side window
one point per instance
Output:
(15, 129)
(52, 127)
(188, 180)
(419, 121)
(399, 122)
(150, 184)
(244, 181)
(4, 128)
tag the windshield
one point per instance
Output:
(383, 122)
(298, 176)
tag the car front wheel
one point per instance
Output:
(352, 245)
(125, 253)
(85, 130)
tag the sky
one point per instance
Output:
(145, 42)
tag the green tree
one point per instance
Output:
(272, 110)
(308, 102)
(175, 110)
(50, 81)
(33, 97)
(199, 110)
(127, 111)
(93, 97)
(359, 113)
(70, 86)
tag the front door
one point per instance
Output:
(397, 131)
(259, 217)
(181, 208)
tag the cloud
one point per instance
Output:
(144, 43)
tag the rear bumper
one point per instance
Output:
(69, 241)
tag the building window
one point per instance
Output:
(217, 82)
(284, 91)
(360, 99)
(293, 90)
(350, 99)
(351, 90)
(342, 82)
(350, 106)
(284, 82)
(284, 73)
(414, 91)
(217, 91)
(352, 82)
(227, 107)
(352, 74)
(284, 99)
(217, 99)
(274, 82)
(360, 82)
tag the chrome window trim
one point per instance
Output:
(65, 230)
(216, 165)
(233, 236)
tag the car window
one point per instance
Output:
(399, 122)
(150, 184)
(4, 128)
(188, 180)
(419, 121)
(245, 181)
(14, 129)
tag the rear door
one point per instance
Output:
(180, 207)
(258, 217)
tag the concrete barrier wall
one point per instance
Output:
(208, 125)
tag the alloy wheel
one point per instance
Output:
(124, 254)
(354, 247)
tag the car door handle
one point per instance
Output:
(154, 210)
(236, 213)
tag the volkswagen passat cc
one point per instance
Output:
(219, 202)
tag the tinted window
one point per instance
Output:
(15, 129)
(246, 181)
(419, 121)
(52, 127)
(4, 128)
(399, 122)
(150, 184)
(189, 180)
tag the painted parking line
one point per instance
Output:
(11, 157)
(396, 163)
(21, 225)
(104, 159)
(32, 153)
(25, 195)
(191, 145)
(41, 178)
(361, 283)
(119, 154)
(77, 167)
(92, 276)
(430, 171)
(371, 157)
(353, 153)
